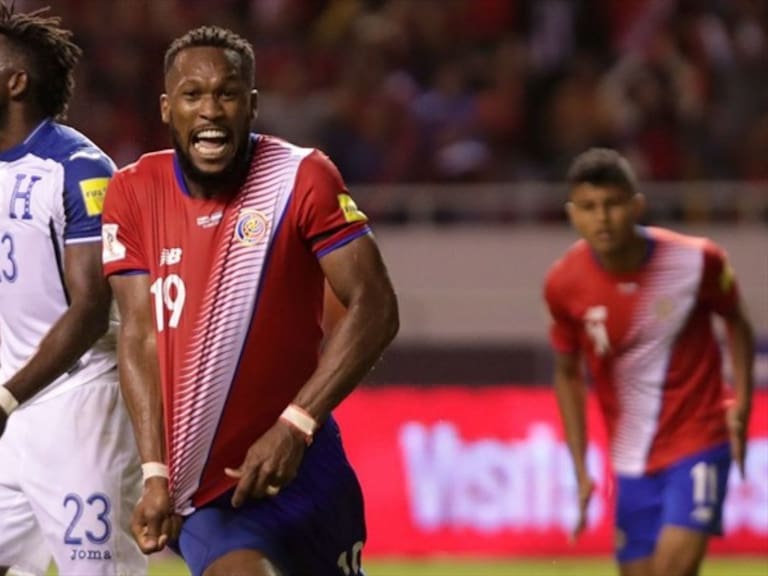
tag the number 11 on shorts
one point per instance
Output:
(704, 478)
(349, 561)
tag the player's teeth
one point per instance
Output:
(211, 134)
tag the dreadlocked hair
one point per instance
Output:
(216, 37)
(49, 52)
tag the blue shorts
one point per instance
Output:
(314, 526)
(688, 493)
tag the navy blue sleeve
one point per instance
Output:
(86, 175)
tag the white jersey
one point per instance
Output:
(52, 189)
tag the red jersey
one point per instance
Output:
(648, 341)
(237, 292)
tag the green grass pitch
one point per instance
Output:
(592, 567)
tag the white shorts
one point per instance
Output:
(69, 479)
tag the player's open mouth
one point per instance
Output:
(211, 143)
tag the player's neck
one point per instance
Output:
(206, 191)
(222, 188)
(17, 128)
(629, 259)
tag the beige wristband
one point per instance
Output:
(8, 402)
(153, 470)
(300, 419)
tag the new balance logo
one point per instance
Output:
(170, 256)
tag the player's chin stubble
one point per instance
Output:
(229, 174)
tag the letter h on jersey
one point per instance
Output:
(26, 196)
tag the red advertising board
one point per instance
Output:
(485, 471)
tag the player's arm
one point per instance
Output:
(82, 324)
(153, 522)
(138, 364)
(336, 230)
(126, 266)
(741, 345)
(86, 319)
(338, 233)
(571, 399)
(720, 291)
(569, 382)
(358, 278)
(570, 388)
(333, 310)
(571, 392)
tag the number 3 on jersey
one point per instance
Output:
(169, 293)
(8, 269)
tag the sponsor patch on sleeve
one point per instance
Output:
(112, 248)
(351, 212)
(727, 276)
(93, 191)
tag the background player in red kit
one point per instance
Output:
(217, 252)
(637, 303)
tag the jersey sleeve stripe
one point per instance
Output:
(83, 240)
(343, 241)
(129, 272)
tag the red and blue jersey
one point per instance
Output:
(648, 341)
(237, 292)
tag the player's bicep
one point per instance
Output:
(356, 270)
(563, 330)
(83, 278)
(333, 310)
(737, 321)
(132, 294)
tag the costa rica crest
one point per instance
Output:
(252, 227)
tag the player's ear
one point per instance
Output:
(18, 83)
(254, 104)
(638, 205)
(165, 109)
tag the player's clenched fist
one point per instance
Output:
(586, 488)
(737, 419)
(154, 522)
(271, 462)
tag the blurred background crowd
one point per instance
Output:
(457, 90)
(453, 121)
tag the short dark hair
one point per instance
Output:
(602, 167)
(216, 37)
(49, 52)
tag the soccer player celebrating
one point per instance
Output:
(637, 303)
(69, 468)
(217, 252)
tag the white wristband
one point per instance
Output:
(8, 401)
(301, 420)
(152, 470)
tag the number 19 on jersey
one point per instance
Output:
(169, 294)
